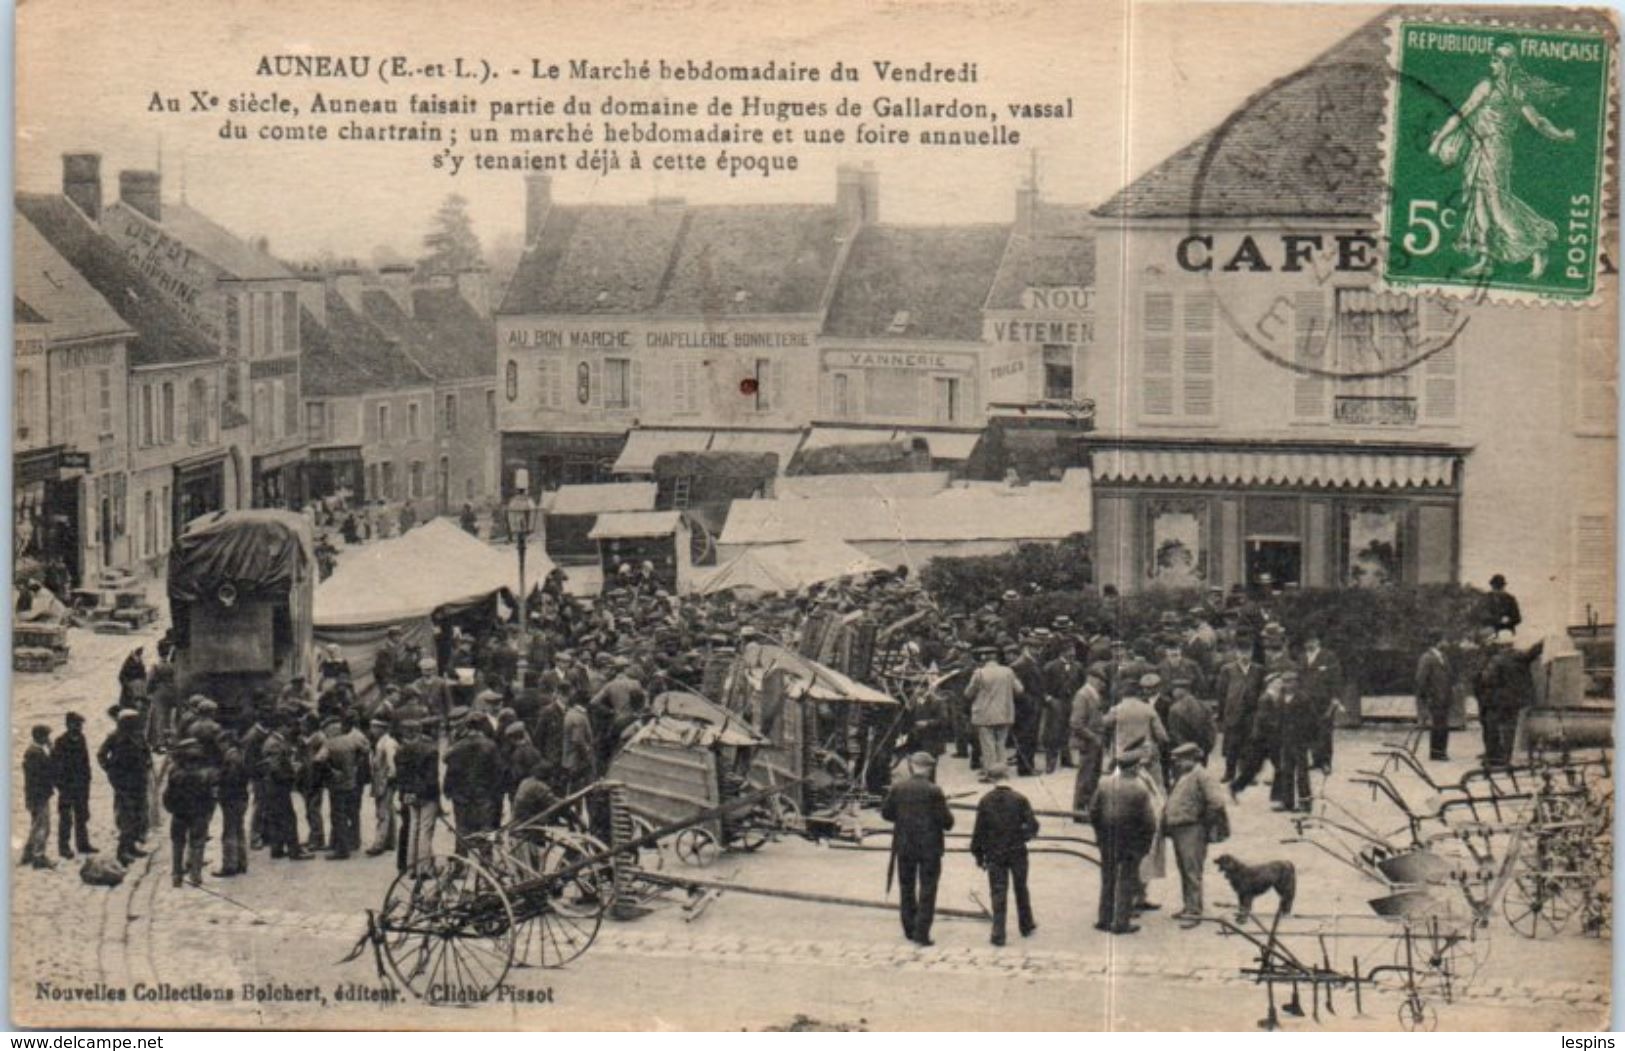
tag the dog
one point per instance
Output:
(1250, 881)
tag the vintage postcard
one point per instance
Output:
(684, 514)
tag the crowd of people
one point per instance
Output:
(486, 721)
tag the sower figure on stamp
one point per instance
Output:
(1004, 824)
(70, 763)
(919, 815)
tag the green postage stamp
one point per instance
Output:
(1497, 145)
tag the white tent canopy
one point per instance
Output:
(411, 576)
(789, 567)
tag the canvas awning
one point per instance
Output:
(781, 443)
(600, 499)
(644, 444)
(823, 437)
(789, 567)
(1340, 469)
(951, 445)
(627, 525)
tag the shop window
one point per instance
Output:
(1176, 533)
(1372, 543)
(1058, 384)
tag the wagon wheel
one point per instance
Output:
(1416, 1015)
(1535, 903)
(697, 847)
(559, 921)
(448, 930)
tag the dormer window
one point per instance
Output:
(899, 323)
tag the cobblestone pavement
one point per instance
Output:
(747, 961)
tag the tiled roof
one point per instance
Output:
(1307, 146)
(48, 288)
(210, 240)
(463, 344)
(715, 260)
(351, 356)
(938, 275)
(162, 334)
(1058, 253)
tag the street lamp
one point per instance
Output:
(521, 521)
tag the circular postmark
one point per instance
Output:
(1291, 185)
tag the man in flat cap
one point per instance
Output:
(1004, 824)
(127, 761)
(70, 771)
(1193, 817)
(37, 791)
(919, 814)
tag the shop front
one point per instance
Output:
(200, 488)
(555, 458)
(46, 487)
(330, 469)
(278, 478)
(1174, 514)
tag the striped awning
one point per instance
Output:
(1341, 469)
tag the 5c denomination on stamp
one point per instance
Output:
(1496, 142)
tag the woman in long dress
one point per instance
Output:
(1498, 226)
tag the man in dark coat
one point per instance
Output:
(1029, 708)
(37, 790)
(1190, 722)
(1063, 677)
(278, 771)
(473, 780)
(1322, 684)
(1300, 729)
(1004, 824)
(70, 769)
(189, 798)
(1241, 680)
(1433, 694)
(1088, 724)
(1500, 612)
(231, 789)
(1125, 822)
(417, 781)
(919, 815)
(1505, 687)
(127, 761)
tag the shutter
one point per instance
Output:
(680, 397)
(1198, 379)
(290, 322)
(1311, 338)
(290, 418)
(1441, 381)
(544, 380)
(635, 381)
(595, 383)
(1594, 568)
(1157, 364)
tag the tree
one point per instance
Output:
(452, 244)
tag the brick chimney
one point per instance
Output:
(396, 279)
(475, 288)
(313, 292)
(82, 182)
(538, 200)
(857, 194)
(140, 190)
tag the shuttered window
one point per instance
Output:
(551, 378)
(1597, 409)
(1198, 364)
(685, 387)
(1310, 400)
(1157, 364)
(1594, 568)
(290, 322)
(1441, 373)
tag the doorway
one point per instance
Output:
(1277, 562)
